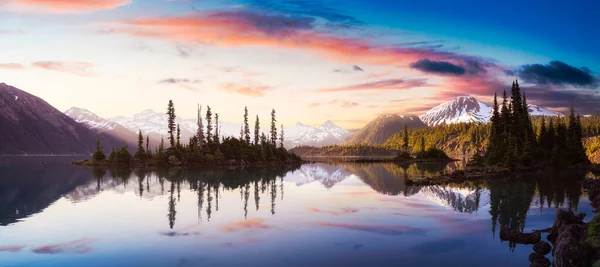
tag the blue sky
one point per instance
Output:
(346, 61)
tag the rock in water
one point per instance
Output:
(569, 248)
(542, 247)
(564, 218)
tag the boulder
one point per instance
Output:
(542, 247)
(564, 218)
(569, 248)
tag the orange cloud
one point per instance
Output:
(392, 84)
(340, 103)
(70, 6)
(252, 223)
(11, 66)
(253, 91)
(76, 67)
(236, 29)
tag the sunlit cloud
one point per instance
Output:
(244, 28)
(391, 84)
(335, 102)
(11, 66)
(247, 90)
(72, 67)
(66, 6)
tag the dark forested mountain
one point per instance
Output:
(381, 129)
(103, 127)
(29, 125)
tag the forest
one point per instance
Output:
(206, 147)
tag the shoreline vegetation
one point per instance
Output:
(206, 148)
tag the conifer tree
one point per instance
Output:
(281, 136)
(217, 130)
(209, 137)
(98, 153)
(256, 131)
(147, 142)
(241, 133)
(171, 122)
(200, 131)
(140, 154)
(405, 140)
(273, 129)
(178, 136)
(246, 126)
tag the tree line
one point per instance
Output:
(207, 145)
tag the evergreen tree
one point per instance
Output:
(256, 131)
(217, 130)
(140, 154)
(273, 128)
(200, 131)
(209, 137)
(281, 136)
(178, 136)
(171, 122)
(246, 126)
(148, 143)
(98, 153)
(405, 140)
(241, 133)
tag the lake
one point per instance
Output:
(347, 214)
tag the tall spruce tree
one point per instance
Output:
(405, 140)
(147, 142)
(217, 135)
(140, 153)
(281, 137)
(171, 122)
(200, 131)
(178, 136)
(98, 153)
(273, 129)
(256, 131)
(209, 137)
(246, 126)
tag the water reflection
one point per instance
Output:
(345, 201)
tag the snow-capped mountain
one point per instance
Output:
(154, 124)
(383, 127)
(469, 109)
(102, 127)
(326, 134)
(90, 119)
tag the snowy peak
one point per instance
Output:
(468, 109)
(326, 134)
(459, 109)
(90, 119)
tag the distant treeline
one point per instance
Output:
(207, 146)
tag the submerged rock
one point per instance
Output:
(522, 238)
(542, 247)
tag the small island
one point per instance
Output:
(206, 149)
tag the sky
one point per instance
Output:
(311, 61)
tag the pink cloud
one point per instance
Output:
(72, 67)
(392, 84)
(69, 6)
(11, 66)
(247, 90)
(13, 248)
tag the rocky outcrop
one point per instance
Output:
(570, 248)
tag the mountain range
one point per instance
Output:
(29, 125)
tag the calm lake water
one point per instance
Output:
(55, 214)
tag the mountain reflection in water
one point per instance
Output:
(369, 204)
